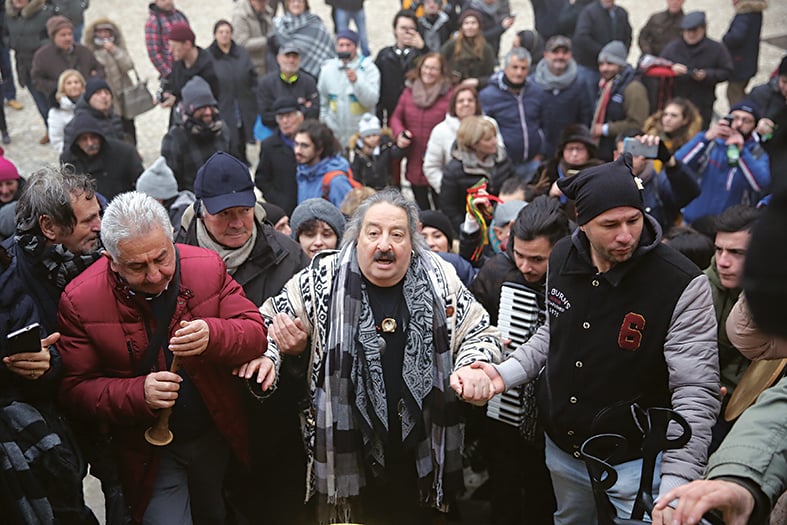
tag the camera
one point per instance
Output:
(343, 55)
(728, 117)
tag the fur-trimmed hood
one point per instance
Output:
(90, 29)
(28, 11)
(750, 6)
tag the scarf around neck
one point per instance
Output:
(546, 79)
(232, 257)
(425, 96)
(352, 365)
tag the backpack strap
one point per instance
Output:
(330, 175)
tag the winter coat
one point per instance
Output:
(708, 55)
(110, 124)
(252, 31)
(342, 103)
(515, 113)
(115, 167)
(57, 119)
(435, 30)
(660, 29)
(46, 483)
(742, 39)
(310, 179)
(303, 89)
(202, 67)
(458, 177)
(275, 175)
(98, 314)
(49, 61)
(117, 64)
(186, 152)
(376, 169)
(627, 109)
(420, 122)
(464, 65)
(26, 34)
(769, 98)
(723, 186)
(606, 344)
(157, 28)
(438, 149)
(748, 338)
(594, 31)
(393, 67)
(547, 15)
(570, 105)
(274, 259)
(74, 10)
(752, 454)
(237, 80)
(732, 364)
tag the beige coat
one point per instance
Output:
(252, 32)
(117, 64)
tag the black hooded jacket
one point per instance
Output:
(115, 167)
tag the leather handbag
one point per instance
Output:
(136, 99)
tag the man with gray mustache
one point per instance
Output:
(387, 330)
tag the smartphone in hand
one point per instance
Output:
(27, 339)
(638, 149)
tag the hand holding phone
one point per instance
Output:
(640, 149)
(27, 339)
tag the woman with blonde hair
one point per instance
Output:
(464, 103)
(470, 58)
(70, 87)
(476, 157)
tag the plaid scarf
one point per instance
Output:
(351, 409)
(307, 32)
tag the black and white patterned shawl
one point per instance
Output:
(350, 400)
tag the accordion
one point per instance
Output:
(518, 319)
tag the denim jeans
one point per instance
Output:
(574, 494)
(359, 17)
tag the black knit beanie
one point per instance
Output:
(601, 188)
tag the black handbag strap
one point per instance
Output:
(162, 322)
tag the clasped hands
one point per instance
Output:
(477, 382)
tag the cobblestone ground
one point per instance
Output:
(26, 127)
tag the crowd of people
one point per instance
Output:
(305, 342)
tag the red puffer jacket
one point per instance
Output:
(420, 122)
(104, 339)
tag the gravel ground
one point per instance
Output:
(26, 126)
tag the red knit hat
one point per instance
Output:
(181, 32)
